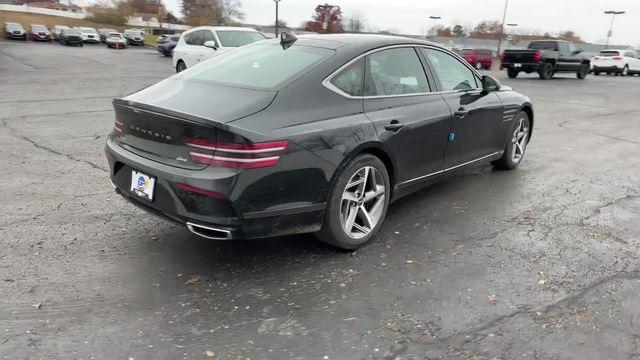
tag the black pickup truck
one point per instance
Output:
(546, 57)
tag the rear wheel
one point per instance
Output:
(358, 203)
(625, 70)
(181, 66)
(596, 73)
(583, 72)
(512, 73)
(479, 65)
(517, 145)
(546, 71)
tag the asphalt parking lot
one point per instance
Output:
(538, 263)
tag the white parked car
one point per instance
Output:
(204, 42)
(618, 62)
(89, 35)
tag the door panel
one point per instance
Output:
(477, 128)
(418, 147)
(410, 120)
(477, 125)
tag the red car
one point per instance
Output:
(478, 58)
(39, 32)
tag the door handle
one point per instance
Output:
(394, 126)
(462, 112)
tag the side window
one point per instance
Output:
(351, 79)
(572, 49)
(194, 38)
(452, 73)
(395, 72)
(207, 35)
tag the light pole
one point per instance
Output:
(435, 19)
(504, 18)
(613, 14)
(277, 20)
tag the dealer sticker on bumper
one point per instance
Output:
(142, 185)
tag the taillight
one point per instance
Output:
(119, 126)
(537, 56)
(596, 58)
(233, 155)
(616, 58)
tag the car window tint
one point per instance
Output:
(351, 79)
(258, 66)
(396, 72)
(207, 35)
(230, 38)
(195, 38)
(452, 73)
(609, 53)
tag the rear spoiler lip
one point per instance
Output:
(178, 115)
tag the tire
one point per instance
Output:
(81, 44)
(521, 130)
(583, 72)
(181, 66)
(341, 210)
(596, 73)
(479, 66)
(512, 73)
(546, 72)
(625, 71)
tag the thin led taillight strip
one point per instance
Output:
(119, 123)
(237, 151)
(117, 129)
(238, 160)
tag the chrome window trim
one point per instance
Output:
(329, 85)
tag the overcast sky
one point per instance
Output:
(585, 17)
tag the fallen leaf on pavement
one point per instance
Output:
(492, 298)
(37, 306)
(542, 282)
(411, 262)
(350, 319)
(457, 250)
(192, 280)
(210, 353)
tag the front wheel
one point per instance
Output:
(358, 203)
(516, 145)
(512, 73)
(181, 66)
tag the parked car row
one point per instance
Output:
(79, 36)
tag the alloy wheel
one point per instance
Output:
(363, 202)
(520, 140)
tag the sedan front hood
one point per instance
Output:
(205, 100)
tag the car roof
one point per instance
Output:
(360, 41)
(12, 23)
(218, 28)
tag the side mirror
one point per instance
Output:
(211, 44)
(489, 83)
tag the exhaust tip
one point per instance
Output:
(208, 232)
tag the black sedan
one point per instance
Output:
(166, 46)
(71, 37)
(315, 134)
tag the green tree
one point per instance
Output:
(458, 31)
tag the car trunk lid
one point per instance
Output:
(159, 122)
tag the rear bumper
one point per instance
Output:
(235, 214)
(612, 68)
(526, 67)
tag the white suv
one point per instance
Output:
(203, 42)
(619, 62)
(89, 35)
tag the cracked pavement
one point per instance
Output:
(538, 263)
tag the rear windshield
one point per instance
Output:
(115, 35)
(230, 38)
(609, 53)
(38, 28)
(263, 66)
(544, 45)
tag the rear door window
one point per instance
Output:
(395, 72)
